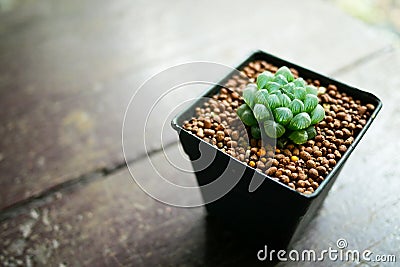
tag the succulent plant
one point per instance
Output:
(281, 106)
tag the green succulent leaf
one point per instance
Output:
(321, 90)
(274, 101)
(261, 97)
(285, 100)
(318, 114)
(248, 118)
(310, 102)
(280, 79)
(299, 82)
(249, 94)
(311, 132)
(300, 93)
(285, 71)
(272, 87)
(296, 106)
(299, 136)
(289, 87)
(289, 94)
(283, 115)
(300, 121)
(311, 89)
(242, 109)
(261, 112)
(273, 129)
(263, 78)
(255, 132)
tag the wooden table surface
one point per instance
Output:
(67, 72)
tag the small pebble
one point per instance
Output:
(313, 173)
(294, 158)
(200, 133)
(311, 164)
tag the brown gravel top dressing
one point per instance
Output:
(301, 167)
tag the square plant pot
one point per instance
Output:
(274, 214)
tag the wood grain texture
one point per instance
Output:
(68, 69)
(112, 222)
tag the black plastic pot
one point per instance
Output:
(274, 214)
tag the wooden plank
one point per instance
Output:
(112, 222)
(68, 69)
